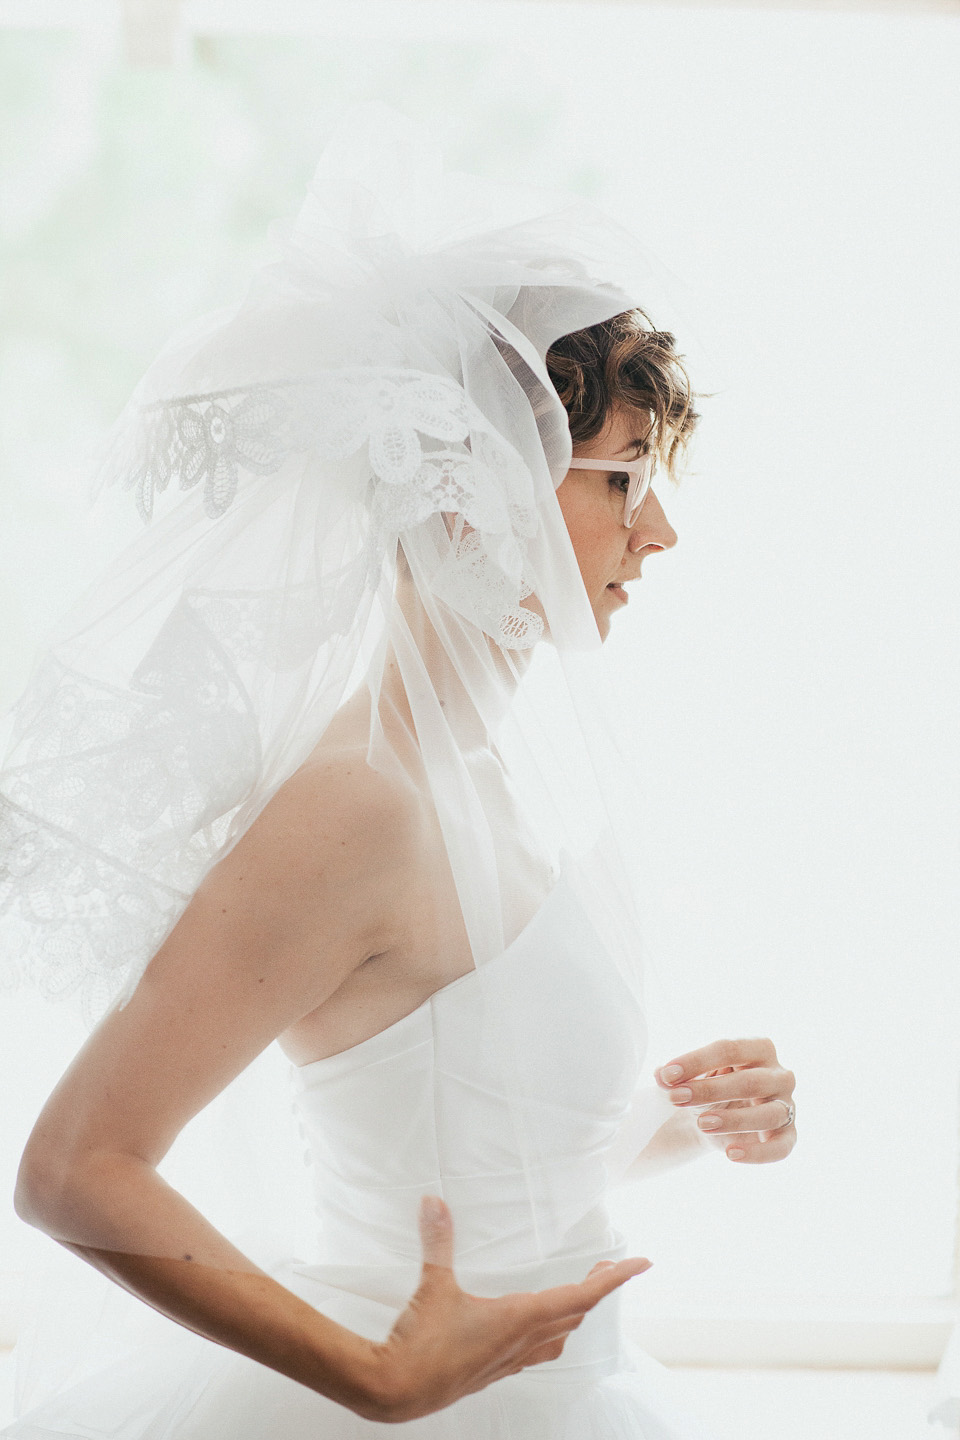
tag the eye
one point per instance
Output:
(621, 479)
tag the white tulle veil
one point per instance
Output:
(350, 482)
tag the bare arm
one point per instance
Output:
(243, 964)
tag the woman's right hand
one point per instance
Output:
(447, 1343)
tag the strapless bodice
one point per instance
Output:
(512, 1092)
(501, 1092)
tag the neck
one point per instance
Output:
(470, 677)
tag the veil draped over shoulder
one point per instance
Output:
(349, 479)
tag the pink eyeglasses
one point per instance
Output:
(641, 477)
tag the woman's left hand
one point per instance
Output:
(748, 1093)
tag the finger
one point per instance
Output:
(744, 1119)
(552, 1350)
(715, 1057)
(546, 1342)
(748, 1151)
(436, 1232)
(547, 1350)
(567, 1300)
(751, 1084)
(601, 1282)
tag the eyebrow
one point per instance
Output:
(639, 445)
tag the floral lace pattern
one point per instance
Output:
(86, 918)
(114, 800)
(209, 438)
(217, 438)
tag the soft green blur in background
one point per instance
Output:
(134, 199)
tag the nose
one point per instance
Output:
(652, 527)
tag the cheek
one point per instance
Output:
(597, 542)
(597, 554)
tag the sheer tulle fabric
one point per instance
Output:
(418, 1107)
(365, 453)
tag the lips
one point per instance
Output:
(619, 591)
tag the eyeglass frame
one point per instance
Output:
(641, 478)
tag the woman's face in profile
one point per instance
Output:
(608, 554)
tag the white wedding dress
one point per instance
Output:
(416, 1109)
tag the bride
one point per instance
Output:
(329, 759)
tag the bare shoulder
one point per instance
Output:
(274, 929)
(300, 901)
(335, 798)
(330, 846)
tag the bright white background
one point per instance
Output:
(792, 661)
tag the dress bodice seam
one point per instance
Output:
(426, 1006)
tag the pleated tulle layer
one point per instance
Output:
(143, 1378)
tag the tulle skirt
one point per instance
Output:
(132, 1375)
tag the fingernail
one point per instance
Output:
(431, 1208)
(709, 1122)
(736, 1154)
(671, 1072)
(681, 1096)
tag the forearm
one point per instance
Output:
(120, 1216)
(256, 1316)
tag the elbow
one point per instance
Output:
(42, 1188)
(79, 1195)
(33, 1189)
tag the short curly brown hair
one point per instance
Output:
(625, 360)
